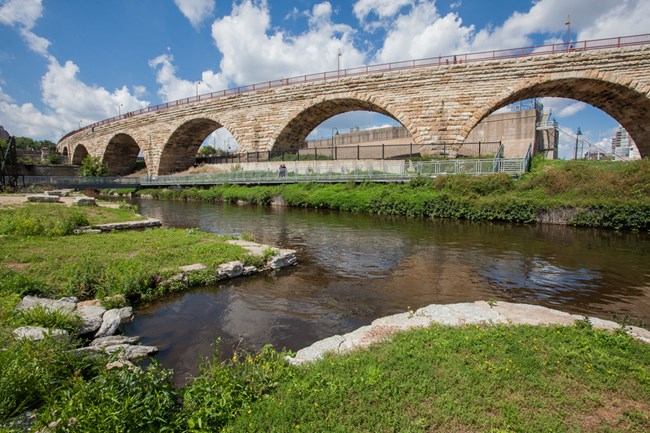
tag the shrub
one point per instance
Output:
(93, 166)
(41, 316)
(116, 400)
(224, 390)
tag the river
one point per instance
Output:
(355, 268)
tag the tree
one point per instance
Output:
(208, 151)
(92, 166)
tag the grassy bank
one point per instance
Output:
(439, 379)
(600, 194)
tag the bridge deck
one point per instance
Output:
(401, 171)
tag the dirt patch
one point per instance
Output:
(16, 266)
(613, 413)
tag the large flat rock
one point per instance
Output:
(66, 305)
(462, 314)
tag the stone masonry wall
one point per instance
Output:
(439, 104)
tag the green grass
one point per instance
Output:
(133, 264)
(474, 379)
(57, 220)
(612, 195)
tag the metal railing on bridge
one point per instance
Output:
(385, 171)
(360, 152)
(561, 47)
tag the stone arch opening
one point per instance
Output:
(294, 135)
(79, 153)
(121, 155)
(182, 146)
(623, 103)
(65, 155)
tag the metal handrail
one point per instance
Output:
(447, 60)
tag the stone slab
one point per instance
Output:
(37, 333)
(64, 305)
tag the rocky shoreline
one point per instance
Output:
(100, 326)
(462, 314)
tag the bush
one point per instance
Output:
(32, 370)
(93, 166)
(224, 390)
(116, 400)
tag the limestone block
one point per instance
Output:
(112, 319)
(230, 269)
(283, 259)
(43, 198)
(38, 333)
(131, 352)
(91, 317)
(64, 305)
(113, 340)
(85, 201)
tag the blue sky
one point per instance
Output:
(66, 61)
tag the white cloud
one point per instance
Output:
(380, 8)
(21, 13)
(173, 88)
(629, 17)
(196, 11)
(253, 53)
(67, 99)
(562, 107)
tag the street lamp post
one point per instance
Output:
(80, 123)
(197, 88)
(119, 110)
(338, 63)
(575, 152)
(337, 133)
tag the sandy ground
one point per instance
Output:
(16, 199)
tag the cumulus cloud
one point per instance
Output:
(627, 17)
(21, 13)
(562, 107)
(380, 8)
(196, 11)
(67, 100)
(253, 52)
(173, 88)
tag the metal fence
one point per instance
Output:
(359, 152)
(385, 171)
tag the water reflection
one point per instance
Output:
(355, 268)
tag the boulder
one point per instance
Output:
(130, 352)
(85, 201)
(63, 304)
(113, 340)
(283, 259)
(91, 317)
(112, 319)
(37, 333)
(230, 269)
(43, 198)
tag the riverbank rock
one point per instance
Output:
(113, 340)
(462, 314)
(66, 305)
(132, 353)
(85, 201)
(92, 318)
(112, 319)
(38, 333)
(43, 198)
(230, 270)
(282, 259)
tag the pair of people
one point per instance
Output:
(282, 171)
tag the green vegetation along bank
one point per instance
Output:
(612, 195)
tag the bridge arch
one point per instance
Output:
(79, 153)
(302, 122)
(179, 152)
(617, 97)
(121, 154)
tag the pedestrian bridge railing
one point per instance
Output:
(381, 171)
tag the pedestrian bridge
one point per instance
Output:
(438, 100)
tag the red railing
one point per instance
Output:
(596, 44)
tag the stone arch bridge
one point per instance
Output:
(437, 100)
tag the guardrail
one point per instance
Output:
(510, 53)
(374, 172)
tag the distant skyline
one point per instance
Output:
(66, 63)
